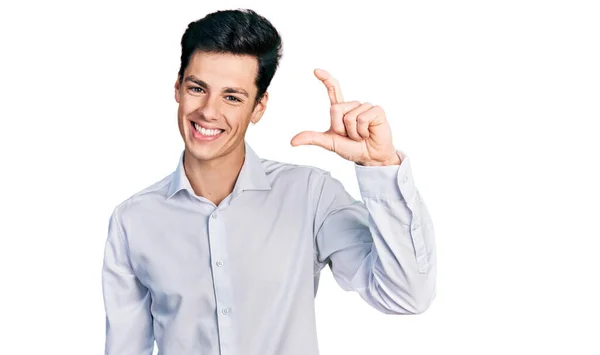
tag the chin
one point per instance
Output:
(202, 152)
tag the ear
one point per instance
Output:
(177, 86)
(260, 108)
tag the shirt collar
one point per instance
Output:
(252, 175)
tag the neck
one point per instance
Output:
(214, 179)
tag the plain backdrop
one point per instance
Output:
(497, 103)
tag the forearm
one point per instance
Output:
(401, 268)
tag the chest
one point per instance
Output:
(252, 248)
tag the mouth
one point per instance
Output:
(205, 134)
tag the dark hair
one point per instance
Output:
(242, 32)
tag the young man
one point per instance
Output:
(223, 256)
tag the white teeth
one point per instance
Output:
(206, 132)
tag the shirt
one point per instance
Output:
(241, 278)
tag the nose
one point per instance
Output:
(209, 108)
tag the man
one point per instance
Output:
(223, 256)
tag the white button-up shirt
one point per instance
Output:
(240, 278)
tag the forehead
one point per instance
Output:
(223, 69)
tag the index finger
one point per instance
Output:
(333, 86)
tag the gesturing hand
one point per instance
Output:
(358, 132)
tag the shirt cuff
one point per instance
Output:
(389, 182)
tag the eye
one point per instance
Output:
(233, 98)
(196, 89)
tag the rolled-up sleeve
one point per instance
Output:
(382, 247)
(126, 300)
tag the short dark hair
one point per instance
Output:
(240, 32)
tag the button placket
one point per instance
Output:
(221, 283)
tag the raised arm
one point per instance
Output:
(382, 247)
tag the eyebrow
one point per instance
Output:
(227, 90)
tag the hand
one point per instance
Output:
(358, 132)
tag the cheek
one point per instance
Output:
(186, 107)
(181, 119)
(188, 104)
(241, 121)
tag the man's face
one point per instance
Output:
(216, 103)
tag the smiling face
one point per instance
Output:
(216, 104)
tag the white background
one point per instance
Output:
(496, 103)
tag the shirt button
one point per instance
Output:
(415, 226)
(405, 179)
(219, 263)
(225, 311)
(214, 216)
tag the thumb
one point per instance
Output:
(320, 139)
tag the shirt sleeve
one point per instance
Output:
(127, 302)
(382, 247)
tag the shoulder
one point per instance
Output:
(147, 197)
(290, 172)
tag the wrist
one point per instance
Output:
(393, 159)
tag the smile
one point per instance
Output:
(203, 133)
